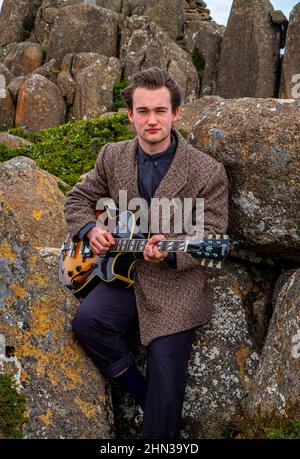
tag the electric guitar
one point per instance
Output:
(80, 269)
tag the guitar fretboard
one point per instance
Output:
(138, 245)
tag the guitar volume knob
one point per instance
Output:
(70, 272)
(78, 268)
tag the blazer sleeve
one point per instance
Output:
(215, 196)
(81, 200)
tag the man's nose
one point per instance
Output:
(152, 118)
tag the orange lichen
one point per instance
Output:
(241, 357)
(18, 290)
(6, 252)
(87, 408)
(46, 418)
(36, 214)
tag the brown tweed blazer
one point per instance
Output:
(168, 299)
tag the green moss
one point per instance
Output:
(259, 426)
(70, 150)
(118, 100)
(199, 61)
(12, 407)
(184, 133)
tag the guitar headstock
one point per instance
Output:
(212, 249)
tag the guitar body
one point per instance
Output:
(80, 269)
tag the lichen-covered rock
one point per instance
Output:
(36, 200)
(16, 19)
(94, 88)
(223, 358)
(250, 56)
(221, 366)
(168, 14)
(24, 58)
(145, 44)
(291, 61)
(35, 319)
(205, 39)
(14, 87)
(49, 70)
(40, 104)
(191, 111)
(258, 142)
(67, 86)
(83, 28)
(7, 110)
(6, 73)
(276, 385)
(13, 141)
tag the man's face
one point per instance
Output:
(152, 117)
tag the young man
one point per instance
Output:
(169, 297)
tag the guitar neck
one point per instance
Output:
(138, 245)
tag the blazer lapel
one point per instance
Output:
(128, 171)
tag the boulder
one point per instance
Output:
(40, 104)
(94, 88)
(83, 28)
(17, 19)
(6, 74)
(290, 88)
(222, 363)
(14, 87)
(25, 58)
(257, 141)
(250, 56)
(36, 200)
(7, 110)
(50, 368)
(204, 39)
(168, 14)
(67, 86)
(191, 112)
(49, 70)
(145, 45)
(13, 141)
(276, 385)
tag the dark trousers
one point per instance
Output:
(100, 324)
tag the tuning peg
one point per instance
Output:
(211, 264)
(225, 236)
(210, 236)
(218, 236)
(203, 262)
(219, 265)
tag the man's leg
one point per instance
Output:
(100, 324)
(167, 361)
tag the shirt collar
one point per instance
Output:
(170, 151)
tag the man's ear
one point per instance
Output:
(175, 114)
(130, 116)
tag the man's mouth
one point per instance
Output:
(152, 131)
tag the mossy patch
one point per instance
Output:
(70, 150)
(198, 61)
(262, 426)
(118, 100)
(12, 408)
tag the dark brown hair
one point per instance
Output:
(153, 78)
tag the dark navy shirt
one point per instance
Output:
(152, 168)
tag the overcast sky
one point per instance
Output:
(220, 9)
